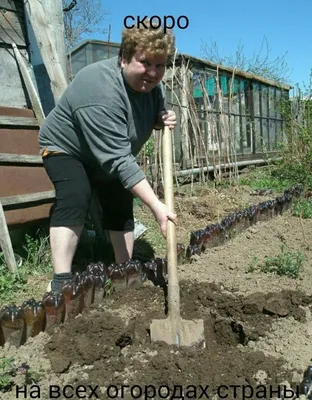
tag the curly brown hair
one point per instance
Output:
(151, 40)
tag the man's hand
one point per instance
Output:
(167, 118)
(162, 215)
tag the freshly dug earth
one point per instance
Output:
(258, 327)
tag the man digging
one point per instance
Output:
(90, 140)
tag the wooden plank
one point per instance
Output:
(16, 112)
(9, 5)
(12, 90)
(5, 243)
(20, 159)
(45, 36)
(11, 30)
(27, 198)
(18, 121)
(33, 95)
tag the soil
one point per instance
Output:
(258, 326)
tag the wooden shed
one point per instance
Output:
(26, 193)
(230, 111)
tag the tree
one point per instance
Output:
(82, 18)
(260, 63)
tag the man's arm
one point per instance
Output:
(161, 212)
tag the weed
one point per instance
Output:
(295, 150)
(38, 257)
(32, 377)
(109, 287)
(253, 265)
(7, 372)
(10, 283)
(287, 263)
(36, 260)
(302, 208)
(265, 178)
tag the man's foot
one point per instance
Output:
(58, 281)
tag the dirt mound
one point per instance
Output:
(113, 345)
(257, 330)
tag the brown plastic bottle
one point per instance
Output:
(117, 274)
(134, 276)
(99, 287)
(34, 314)
(2, 340)
(13, 325)
(149, 269)
(181, 253)
(54, 306)
(87, 282)
(217, 235)
(73, 297)
(161, 267)
(207, 239)
(96, 268)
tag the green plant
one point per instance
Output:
(32, 377)
(253, 265)
(7, 372)
(265, 178)
(302, 208)
(149, 147)
(38, 256)
(287, 263)
(36, 260)
(295, 150)
(10, 283)
(109, 287)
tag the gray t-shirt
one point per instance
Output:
(104, 123)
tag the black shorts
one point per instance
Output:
(74, 185)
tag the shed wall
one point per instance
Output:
(23, 178)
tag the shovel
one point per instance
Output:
(174, 330)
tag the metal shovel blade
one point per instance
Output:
(188, 333)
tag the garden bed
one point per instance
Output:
(258, 325)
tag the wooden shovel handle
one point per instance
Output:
(173, 281)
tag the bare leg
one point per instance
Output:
(123, 245)
(64, 241)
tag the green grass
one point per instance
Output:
(302, 208)
(34, 261)
(152, 242)
(265, 178)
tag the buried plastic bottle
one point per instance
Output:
(117, 274)
(35, 315)
(54, 306)
(12, 324)
(87, 283)
(73, 296)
